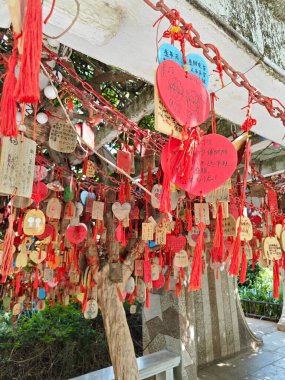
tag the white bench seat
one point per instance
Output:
(159, 364)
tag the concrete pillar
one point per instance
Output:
(281, 323)
(202, 326)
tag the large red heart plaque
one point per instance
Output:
(184, 95)
(213, 162)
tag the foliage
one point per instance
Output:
(53, 344)
(259, 285)
(56, 343)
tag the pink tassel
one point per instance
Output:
(7, 258)
(276, 279)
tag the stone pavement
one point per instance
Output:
(264, 363)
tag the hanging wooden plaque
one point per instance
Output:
(229, 226)
(62, 138)
(98, 210)
(34, 223)
(17, 163)
(116, 272)
(164, 122)
(91, 310)
(271, 248)
(53, 210)
(246, 228)
(220, 194)
(201, 208)
(181, 259)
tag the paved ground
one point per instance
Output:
(268, 363)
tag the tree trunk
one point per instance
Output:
(120, 342)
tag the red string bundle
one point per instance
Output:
(27, 89)
(8, 126)
(196, 271)
(7, 258)
(276, 279)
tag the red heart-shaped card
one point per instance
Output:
(176, 243)
(214, 161)
(76, 234)
(183, 94)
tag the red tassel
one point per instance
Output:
(196, 271)
(127, 190)
(243, 266)
(276, 279)
(20, 225)
(178, 287)
(235, 260)
(8, 125)
(147, 299)
(36, 279)
(84, 303)
(7, 257)
(122, 198)
(167, 283)
(165, 202)
(217, 251)
(18, 283)
(120, 295)
(27, 89)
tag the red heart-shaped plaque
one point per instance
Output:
(184, 95)
(213, 162)
(76, 234)
(176, 243)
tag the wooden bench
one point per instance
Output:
(160, 364)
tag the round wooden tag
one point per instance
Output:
(130, 285)
(17, 308)
(91, 311)
(246, 228)
(141, 291)
(34, 222)
(272, 249)
(181, 259)
(53, 210)
(155, 270)
(282, 240)
(41, 305)
(278, 230)
(185, 97)
(21, 260)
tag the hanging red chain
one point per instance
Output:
(211, 52)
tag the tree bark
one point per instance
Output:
(120, 342)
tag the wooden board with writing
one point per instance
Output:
(271, 248)
(147, 231)
(229, 226)
(246, 228)
(17, 165)
(220, 193)
(201, 209)
(164, 122)
(62, 138)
